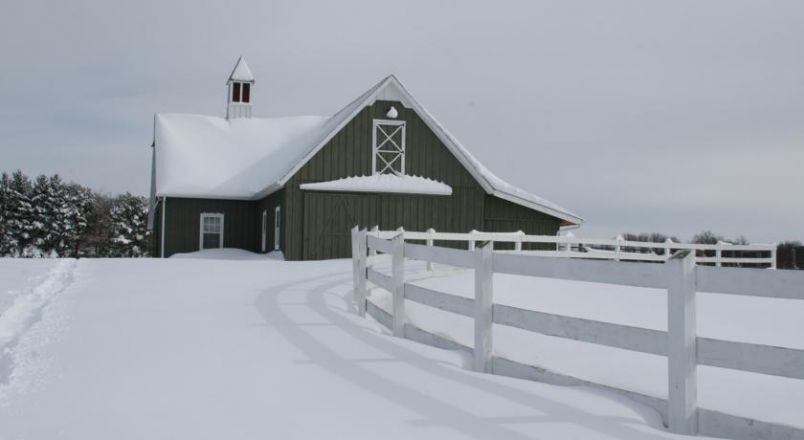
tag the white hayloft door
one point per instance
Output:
(388, 140)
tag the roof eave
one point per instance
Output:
(204, 196)
(335, 130)
(569, 218)
(272, 188)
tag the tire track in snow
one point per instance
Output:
(26, 312)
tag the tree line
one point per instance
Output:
(789, 254)
(48, 217)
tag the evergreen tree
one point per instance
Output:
(5, 234)
(19, 215)
(95, 239)
(49, 218)
(78, 206)
(129, 221)
(44, 222)
(57, 219)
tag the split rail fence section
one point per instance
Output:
(679, 275)
(720, 254)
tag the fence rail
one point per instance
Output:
(679, 275)
(719, 254)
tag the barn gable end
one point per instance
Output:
(321, 220)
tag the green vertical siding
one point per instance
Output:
(504, 216)
(319, 222)
(156, 233)
(182, 223)
(269, 204)
(349, 153)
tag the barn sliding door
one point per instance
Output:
(328, 220)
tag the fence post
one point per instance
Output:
(398, 282)
(375, 230)
(362, 245)
(682, 413)
(773, 256)
(472, 242)
(618, 248)
(719, 253)
(518, 243)
(431, 232)
(667, 250)
(484, 276)
(355, 265)
(568, 237)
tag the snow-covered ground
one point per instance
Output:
(241, 347)
(768, 321)
(26, 288)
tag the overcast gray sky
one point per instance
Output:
(671, 116)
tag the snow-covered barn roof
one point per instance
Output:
(241, 72)
(249, 158)
(209, 156)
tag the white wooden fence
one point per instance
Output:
(679, 275)
(618, 249)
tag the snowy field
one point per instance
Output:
(769, 321)
(251, 348)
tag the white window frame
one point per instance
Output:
(382, 146)
(277, 226)
(264, 230)
(231, 92)
(201, 228)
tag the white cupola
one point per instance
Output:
(240, 85)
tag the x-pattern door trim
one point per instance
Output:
(395, 149)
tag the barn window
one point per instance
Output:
(236, 92)
(246, 92)
(211, 236)
(388, 141)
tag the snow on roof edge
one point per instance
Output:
(241, 71)
(383, 183)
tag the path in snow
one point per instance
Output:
(25, 309)
(17, 276)
(211, 349)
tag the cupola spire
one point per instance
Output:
(239, 85)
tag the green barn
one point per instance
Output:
(299, 184)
